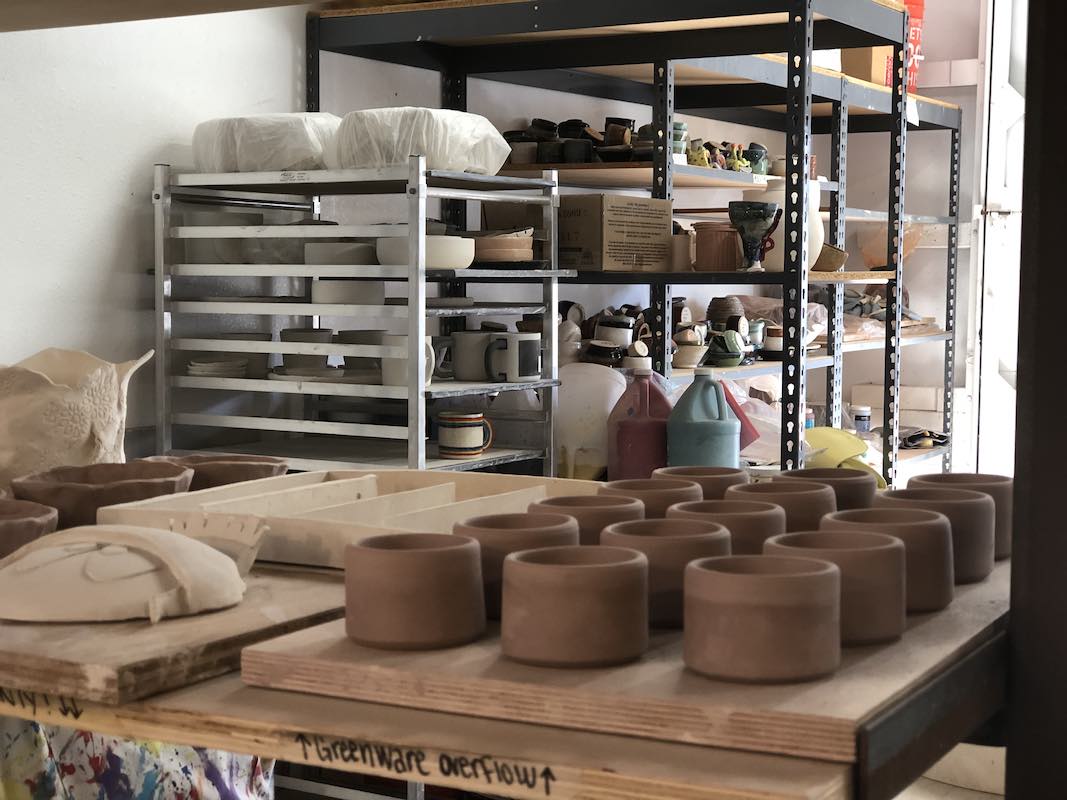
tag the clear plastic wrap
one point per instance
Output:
(450, 140)
(263, 142)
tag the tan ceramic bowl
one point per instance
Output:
(762, 619)
(226, 468)
(658, 494)
(414, 591)
(21, 522)
(594, 512)
(713, 481)
(750, 522)
(575, 606)
(669, 544)
(872, 578)
(853, 488)
(1000, 487)
(804, 502)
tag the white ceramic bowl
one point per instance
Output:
(442, 252)
(348, 292)
(688, 356)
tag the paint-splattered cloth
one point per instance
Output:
(43, 762)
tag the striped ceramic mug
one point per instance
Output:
(462, 435)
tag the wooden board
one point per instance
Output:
(374, 510)
(299, 499)
(656, 697)
(442, 518)
(115, 662)
(440, 749)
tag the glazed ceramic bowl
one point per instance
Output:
(713, 481)
(77, 492)
(21, 522)
(225, 468)
(500, 534)
(853, 488)
(1000, 487)
(830, 259)
(575, 606)
(305, 336)
(669, 544)
(593, 512)
(442, 252)
(750, 522)
(688, 356)
(658, 494)
(972, 516)
(872, 578)
(927, 537)
(762, 619)
(414, 591)
(804, 502)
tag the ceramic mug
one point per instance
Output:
(617, 329)
(463, 435)
(513, 357)
(773, 339)
(395, 370)
(468, 355)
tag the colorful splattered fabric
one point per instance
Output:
(42, 762)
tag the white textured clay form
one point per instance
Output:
(106, 573)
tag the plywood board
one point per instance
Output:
(374, 510)
(299, 499)
(656, 697)
(442, 518)
(115, 662)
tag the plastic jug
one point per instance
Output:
(702, 430)
(637, 429)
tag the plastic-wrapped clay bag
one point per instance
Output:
(450, 140)
(263, 142)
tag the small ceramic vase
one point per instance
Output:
(927, 537)
(593, 512)
(500, 534)
(804, 502)
(999, 487)
(713, 481)
(414, 591)
(226, 468)
(853, 488)
(21, 522)
(750, 523)
(872, 578)
(658, 494)
(669, 544)
(575, 606)
(972, 516)
(762, 619)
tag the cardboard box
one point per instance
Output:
(874, 64)
(615, 233)
(920, 406)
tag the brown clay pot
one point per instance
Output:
(872, 578)
(658, 494)
(804, 502)
(927, 538)
(1000, 487)
(575, 606)
(77, 492)
(594, 512)
(750, 523)
(225, 468)
(669, 544)
(713, 480)
(972, 516)
(22, 521)
(853, 488)
(762, 619)
(500, 534)
(414, 591)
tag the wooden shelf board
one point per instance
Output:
(638, 175)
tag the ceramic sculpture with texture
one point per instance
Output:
(62, 407)
(107, 573)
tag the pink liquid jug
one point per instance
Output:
(637, 429)
(702, 430)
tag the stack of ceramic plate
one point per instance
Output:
(504, 246)
(218, 367)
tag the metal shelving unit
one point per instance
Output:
(310, 442)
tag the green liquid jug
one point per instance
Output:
(702, 430)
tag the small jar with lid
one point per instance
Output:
(861, 418)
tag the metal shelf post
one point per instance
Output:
(416, 432)
(950, 292)
(836, 293)
(549, 329)
(161, 204)
(663, 188)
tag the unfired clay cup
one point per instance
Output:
(658, 494)
(872, 578)
(927, 537)
(594, 512)
(500, 534)
(414, 591)
(713, 481)
(226, 468)
(1000, 487)
(750, 523)
(762, 619)
(805, 502)
(575, 606)
(669, 544)
(853, 488)
(21, 522)
(973, 519)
